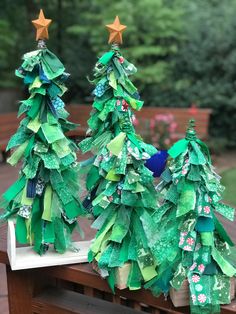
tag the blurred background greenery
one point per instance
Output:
(185, 50)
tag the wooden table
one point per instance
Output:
(78, 289)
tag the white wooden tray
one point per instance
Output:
(26, 257)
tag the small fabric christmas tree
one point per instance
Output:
(120, 187)
(190, 242)
(44, 198)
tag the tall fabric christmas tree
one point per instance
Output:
(43, 199)
(190, 242)
(120, 187)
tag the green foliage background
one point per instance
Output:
(185, 50)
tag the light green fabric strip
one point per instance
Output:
(225, 266)
(115, 146)
(47, 204)
(18, 153)
(34, 125)
(98, 241)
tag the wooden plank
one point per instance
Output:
(230, 308)
(83, 274)
(116, 299)
(89, 291)
(55, 301)
(20, 290)
(135, 305)
(22, 285)
(4, 305)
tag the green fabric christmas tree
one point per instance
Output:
(120, 188)
(190, 242)
(44, 198)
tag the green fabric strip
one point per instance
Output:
(49, 235)
(106, 57)
(187, 199)
(21, 230)
(14, 189)
(178, 148)
(225, 266)
(135, 277)
(47, 204)
(98, 241)
(73, 209)
(222, 232)
(207, 238)
(18, 153)
(225, 210)
(121, 225)
(115, 145)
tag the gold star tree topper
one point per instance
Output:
(41, 25)
(116, 29)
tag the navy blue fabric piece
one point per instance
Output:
(31, 188)
(157, 163)
(52, 108)
(87, 202)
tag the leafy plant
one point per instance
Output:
(160, 130)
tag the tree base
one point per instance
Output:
(26, 257)
(122, 274)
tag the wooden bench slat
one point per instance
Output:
(85, 275)
(59, 301)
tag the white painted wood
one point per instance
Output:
(11, 241)
(26, 257)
